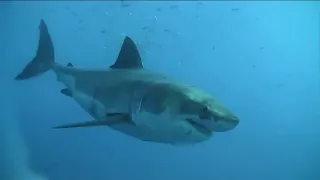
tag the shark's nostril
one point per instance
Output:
(235, 121)
(235, 118)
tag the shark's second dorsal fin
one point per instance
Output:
(129, 57)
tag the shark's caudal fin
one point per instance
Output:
(44, 59)
(129, 57)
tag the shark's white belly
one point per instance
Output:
(160, 129)
(148, 127)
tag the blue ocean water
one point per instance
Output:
(260, 59)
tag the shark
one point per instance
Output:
(129, 98)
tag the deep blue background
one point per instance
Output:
(261, 59)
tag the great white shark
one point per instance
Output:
(133, 100)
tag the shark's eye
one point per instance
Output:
(205, 109)
(205, 113)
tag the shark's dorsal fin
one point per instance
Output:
(129, 57)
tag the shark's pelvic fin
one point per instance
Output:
(44, 59)
(129, 56)
(66, 92)
(107, 121)
(69, 65)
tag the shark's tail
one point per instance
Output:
(44, 59)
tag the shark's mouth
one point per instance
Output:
(199, 127)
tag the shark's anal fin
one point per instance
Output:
(66, 92)
(129, 56)
(107, 121)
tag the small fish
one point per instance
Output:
(81, 28)
(74, 14)
(174, 6)
(125, 5)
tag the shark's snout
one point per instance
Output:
(234, 121)
(225, 124)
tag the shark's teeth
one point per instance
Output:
(199, 127)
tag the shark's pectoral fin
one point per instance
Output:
(66, 92)
(129, 56)
(107, 121)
